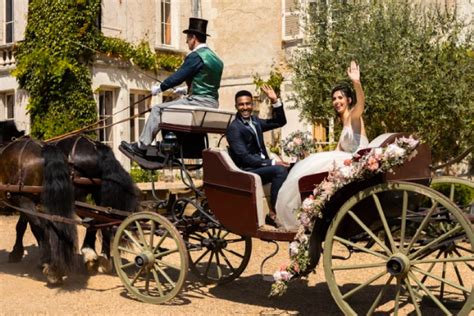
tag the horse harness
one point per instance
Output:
(21, 187)
(70, 159)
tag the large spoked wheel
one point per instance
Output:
(217, 255)
(150, 257)
(424, 265)
(460, 191)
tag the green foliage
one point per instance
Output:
(54, 69)
(140, 54)
(417, 67)
(463, 195)
(275, 80)
(140, 175)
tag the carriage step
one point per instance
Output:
(149, 163)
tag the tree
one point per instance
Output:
(417, 66)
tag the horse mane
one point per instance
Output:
(9, 131)
(118, 189)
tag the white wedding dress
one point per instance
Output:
(289, 200)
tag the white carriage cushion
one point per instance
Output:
(188, 115)
(377, 141)
(260, 195)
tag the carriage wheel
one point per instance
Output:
(460, 191)
(150, 257)
(217, 255)
(423, 267)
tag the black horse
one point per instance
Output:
(35, 178)
(110, 185)
(93, 160)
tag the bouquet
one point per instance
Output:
(298, 145)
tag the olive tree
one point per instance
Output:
(417, 66)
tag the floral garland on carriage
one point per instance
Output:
(360, 167)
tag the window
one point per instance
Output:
(8, 21)
(105, 116)
(137, 105)
(295, 13)
(7, 101)
(166, 22)
(291, 20)
(10, 106)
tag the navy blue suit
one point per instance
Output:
(247, 148)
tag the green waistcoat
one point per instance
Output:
(208, 80)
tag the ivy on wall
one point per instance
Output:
(53, 63)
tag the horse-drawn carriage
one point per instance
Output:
(394, 230)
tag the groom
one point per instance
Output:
(246, 146)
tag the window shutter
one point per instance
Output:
(291, 20)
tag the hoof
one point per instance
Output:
(15, 256)
(53, 277)
(90, 260)
(105, 265)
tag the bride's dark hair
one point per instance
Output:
(346, 91)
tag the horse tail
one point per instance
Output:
(118, 189)
(58, 198)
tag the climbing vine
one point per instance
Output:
(53, 63)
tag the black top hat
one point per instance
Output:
(197, 26)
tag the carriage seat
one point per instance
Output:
(195, 119)
(236, 192)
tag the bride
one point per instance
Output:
(349, 108)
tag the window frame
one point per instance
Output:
(166, 34)
(106, 135)
(137, 124)
(9, 24)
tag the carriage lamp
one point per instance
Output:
(169, 145)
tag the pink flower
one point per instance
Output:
(347, 162)
(296, 267)
(327, 187)
(298, 141)
(305, 220)
(372, 164)
(282, 276)
(410, 141)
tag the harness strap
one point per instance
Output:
(90, 127)
(20, 166)
(71, 156)
(53, 218)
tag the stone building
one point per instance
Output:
(251, 37)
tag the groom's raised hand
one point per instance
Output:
(270, 93)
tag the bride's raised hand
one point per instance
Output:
(353, 71)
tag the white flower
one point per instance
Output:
(378, 153)
(346, 171)
(294, 248)
(394, 151)
(410, 141)
(308, 204)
